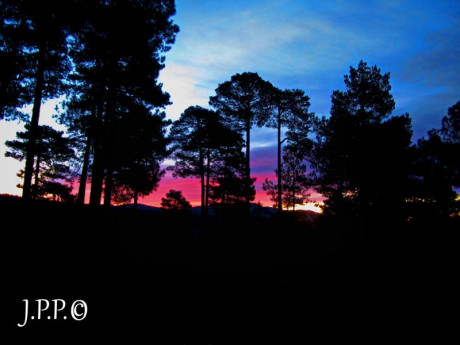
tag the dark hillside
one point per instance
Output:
(138, 269)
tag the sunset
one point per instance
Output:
(302, 45)
(230, 172)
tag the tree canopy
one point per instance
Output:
(54, 163)
(361, 160)
(175, 202)
(289, 110)
(106, 58)
(204, 146)
(106, 61)
(244, 101)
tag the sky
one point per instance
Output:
(308, 45)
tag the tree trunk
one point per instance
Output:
(97, 176)
(33, 132)
(37, 171)
(37, 168)
(293, 198)
(111, 139)
(136, 197)
(280, 190)
(208, 173)
(34, 187)
(108, 187)
(84, 173)
(97, 168)
(248, 155)
(248, 150)
(201, 158)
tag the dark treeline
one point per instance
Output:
(106, 59)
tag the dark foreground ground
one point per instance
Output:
(171, 280)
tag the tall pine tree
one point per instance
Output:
(118, 55)
(290, 111)
(36, 35)
(361, 155)
(53, 164)
(244, 101)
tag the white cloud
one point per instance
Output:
(9, 166)
(274, 33)
(182, 83)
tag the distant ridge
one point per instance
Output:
(264, 212)
(141, 207)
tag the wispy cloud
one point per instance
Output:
(299, 44)
(430, 80)
(182, 83)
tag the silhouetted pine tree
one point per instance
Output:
(362, 162)
(35, 34)
(436, 171)
(203, 147)
(289, 110)
(244, 100)
(80, 129)
(450, 134)
(116, 70)
(192, 136)
(230, 184)
(141, 147)
(13, 94)
(175, 202)
(294, 179)
(54, 158)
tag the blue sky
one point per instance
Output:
(311, 44)
(308, 45)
